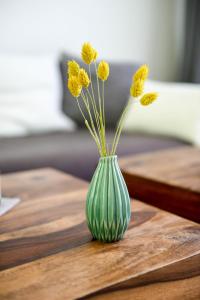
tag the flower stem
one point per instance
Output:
(96, 115)
(99, 118)
(85, 100)
(91, 85)
(103, 108)
(102, 123)
(89, 128)
(99, 96)
(119, 128)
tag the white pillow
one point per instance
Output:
(176, 112)
(30, 94)
(8, 128)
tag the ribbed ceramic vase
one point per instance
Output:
(108, 202)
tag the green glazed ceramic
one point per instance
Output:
(108, 202)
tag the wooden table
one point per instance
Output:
(46, 250)
(168, 179)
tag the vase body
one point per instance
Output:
(108, 202)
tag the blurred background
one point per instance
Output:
(131, 30)
(39, 124)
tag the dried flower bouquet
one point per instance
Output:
(81, 87)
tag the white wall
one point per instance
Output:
(148, 31)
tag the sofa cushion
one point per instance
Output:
(30, 96)
(175, 113)
(116, 90)
(71, 152)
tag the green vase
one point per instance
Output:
(108, 202)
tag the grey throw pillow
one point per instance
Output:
(116, 90)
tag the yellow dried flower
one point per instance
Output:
(148, 98)
(73, 68)
(95, 54)
(74, 86)
(103, 70)
(83, 78)
(87, 53)
(141, 73)
(137, 88)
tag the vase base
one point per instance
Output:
(107, 241)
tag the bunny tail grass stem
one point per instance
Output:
(92, 96)
(99, 113)
(119, 128)
(96, 116)
(99, 122)
(103, 117)
(92, 85)
(92, 134)
(99, 96)
(89, 128)
(103, 105)
(102, 127)
(85, 100)
(103, 111)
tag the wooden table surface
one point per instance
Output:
(168, 179)
(46, 250)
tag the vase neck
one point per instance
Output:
(108, 159)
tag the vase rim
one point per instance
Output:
(108, 157)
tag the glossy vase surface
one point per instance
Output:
(108, 202)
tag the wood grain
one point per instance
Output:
(47, 252)
(168, 179)
(162, 283)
